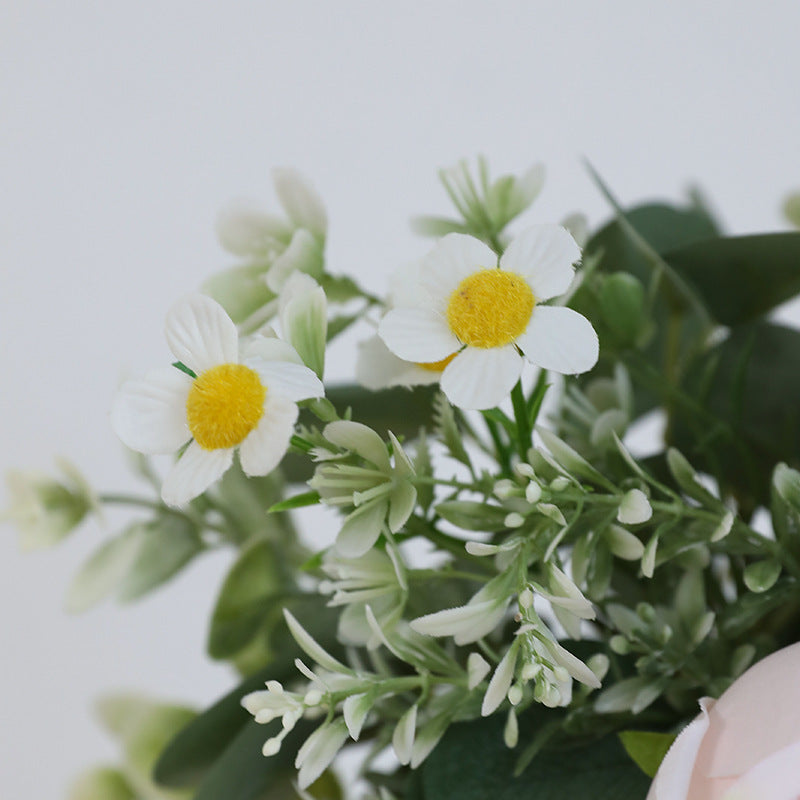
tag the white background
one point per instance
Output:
(125, 126)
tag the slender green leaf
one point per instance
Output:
(473, 516)
(647, 748)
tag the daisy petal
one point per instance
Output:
(200, 333)
(455, 257)
(300, 200)
(194, 472)
(559, 339)
(268, 348)
(292, 381)
(265, 445)
(378, 367)
(481, 378)
(416, 334)
(361, 439)
(544, 255)
(149, 415)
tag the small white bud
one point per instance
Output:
(524, 470)
(477, 669)
(533, 492)
(312, 698)
(634, 508)
(530, 671)
(515, 695)
(271, 746)
(598, 664)
(559, 484)
(561, 674)
(505, 488)
(511, 730)
(514, 520)
(525, 598)
(274, 687)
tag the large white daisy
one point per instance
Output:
(241, 397)
(491, 315)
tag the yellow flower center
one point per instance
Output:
(437, 366)
(225, 403)
(490, 308)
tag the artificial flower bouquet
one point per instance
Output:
(515, 599)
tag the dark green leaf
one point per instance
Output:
(750, 609)
(472, 763)
(340, 324)
(741, 277)
(341, 288)
(250, 595)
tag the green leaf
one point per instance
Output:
(472, 763)
(473, 516)
(340, 323)
(105, 569)
(102, 783)
(647, 748)
(743, 413)
(250, 595)
(340, 288)
(762, 575)
(748, 610)
(190, 754)
(622, 304)
(167, 544)
(741, 277)
(298, 501)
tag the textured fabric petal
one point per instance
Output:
(149, 415)
(544, 255)
(675, 773)
(361, 529)
(194, 472)
(454, 257)
(361, 439)
(378, 367)
(416, 334)
(478, 378)
(777, 777)
(749, 722)
(264, 447)
(200, 333)
(559, 339)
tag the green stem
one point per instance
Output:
(523, 423)
(156, 505)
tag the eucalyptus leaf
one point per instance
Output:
(167, 544)
(105, 569)
(647, 748)
(473, 516)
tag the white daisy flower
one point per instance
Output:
(491, 316)
(241, 397)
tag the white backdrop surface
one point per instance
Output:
(125, 126)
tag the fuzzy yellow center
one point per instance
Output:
(225, 403)
(437, 366)
(490, 308)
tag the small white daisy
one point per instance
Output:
(487, 317)
(240, 397)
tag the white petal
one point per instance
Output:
(291, 381)
(544, 255)
(361, 529)
(403, 736)
(634, 508)
(200, 333)
(454, 257)
(300, 200)
(481, 378)
(149, 415)
(559, 339)
(264, 447)
(378, 367)
(355, 710)
(194, 472)
(360, 438)
(417, 334)
(500, 683)
(245, 230)
(268, 348)
(402, 501)
(323, 745)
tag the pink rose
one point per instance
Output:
(744, 746)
